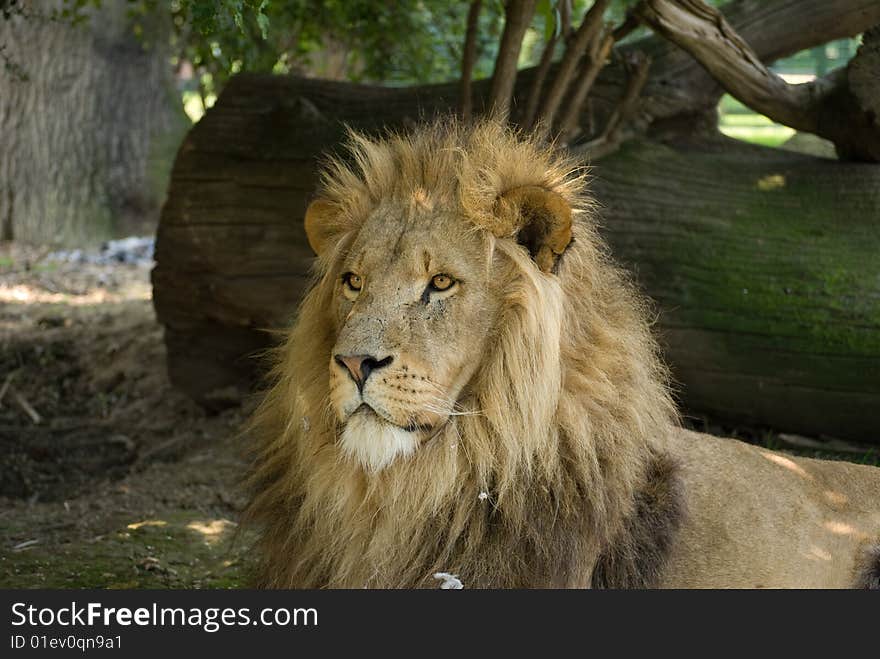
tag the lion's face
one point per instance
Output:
(413, 307)
(418, 248)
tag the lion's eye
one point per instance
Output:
(352, 284)
(441, 282)
(441, 286)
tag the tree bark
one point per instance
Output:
(762, 262)
(517, 17)
(469, 56)
(88, 139)
(764, 270)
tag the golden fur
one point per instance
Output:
(566, 422)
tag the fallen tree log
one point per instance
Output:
(762, 262)
(764, 267)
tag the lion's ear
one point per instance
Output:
(541, 220)
(322, 224)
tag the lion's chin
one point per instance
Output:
(374, 443)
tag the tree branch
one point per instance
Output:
(565, 19)
(638, 64)
(590, 25)
(469, 56)
(703, 32)
(778, 28)
(593, 64)
(537, 88)
(518, 16)
(630, 23)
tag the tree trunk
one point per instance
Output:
(468, 58)
(89, 137)
(763, 262)
(517, 17)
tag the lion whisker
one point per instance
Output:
(450, 410)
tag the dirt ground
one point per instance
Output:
(109, 477)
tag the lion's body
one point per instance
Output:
(760, 519)
(555, 458)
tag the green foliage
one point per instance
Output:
(216, 16)
(74, 11)
(402, 42)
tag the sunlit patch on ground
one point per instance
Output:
(214, 530)
(836, 498)
(24, 294)
(147, 522)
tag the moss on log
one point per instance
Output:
(766, 273)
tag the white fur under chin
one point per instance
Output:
(375, 444)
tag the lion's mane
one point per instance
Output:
(573, 404)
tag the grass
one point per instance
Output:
(771, 136)
(750, 119)
(741, 123)
(178, 550)
(8, 263)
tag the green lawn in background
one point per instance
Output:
(741, 123)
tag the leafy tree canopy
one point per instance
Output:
(402, 42)
(408, 41)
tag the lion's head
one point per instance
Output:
(468, 377)
(420, 276)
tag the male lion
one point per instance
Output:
(471, 387)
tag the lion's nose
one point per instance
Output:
(359, 367)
